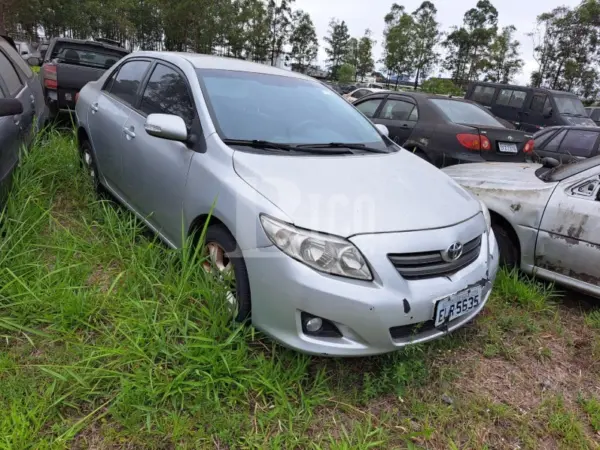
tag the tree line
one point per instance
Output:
(566, 39)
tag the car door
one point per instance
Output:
(155, 168)
(9, 147)
(17, 88)
(568, 242)
(399, 115)
(107, 117)
(579, 144)
(533, 114)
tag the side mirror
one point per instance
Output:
(550, 163)
(10, 107)
(383, 129)
(166, 126)
(547, 113)
(33, 61)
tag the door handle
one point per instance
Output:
(94, 108)
(129, 132)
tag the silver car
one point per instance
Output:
(546, 220)
(337, 240)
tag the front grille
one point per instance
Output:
(419, 266)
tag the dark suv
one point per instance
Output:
(530, 109)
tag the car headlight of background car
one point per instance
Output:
(326, 253)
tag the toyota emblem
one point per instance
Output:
(510, 138)
(453, 252)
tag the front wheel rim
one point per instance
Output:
(219, 263)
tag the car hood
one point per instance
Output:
(509, 189)
(349, 195)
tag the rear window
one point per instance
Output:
(466, 113)
(483, 95)
(90, 57)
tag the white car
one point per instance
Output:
(361, 92)
(546, 220)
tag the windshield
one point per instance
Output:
(281, 109)
(100, 58)
(569, 105)
(466, 113)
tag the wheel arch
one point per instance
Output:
(499, 219)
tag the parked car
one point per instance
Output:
(322, 222)
(69, 64)
(567, 144)
(593, 113)
(530, 109)
(546, 220)
(22, 109)
(445, 131)
(353, 96)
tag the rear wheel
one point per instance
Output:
(421, 154)
(508, 245)
(88, 162)
(224, 258)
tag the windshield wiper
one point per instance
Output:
(257, 143)
(347, 145)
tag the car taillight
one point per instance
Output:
(49, 76)
(470, 141)
(485, 143)
(529, 146)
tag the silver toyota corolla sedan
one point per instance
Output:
(338, 241)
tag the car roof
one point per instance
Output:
(88, 42)
(516, 86)
(201, 61)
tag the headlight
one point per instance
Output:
(486, 216)
(329, 254)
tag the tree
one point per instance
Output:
(364, 60)
(346, 73)
(441, 87)
(398, 51)
(279, 13)
(304, 42)
(426, 35)
(351, 56)
(337, 49)
(467, 45)
(503, 61)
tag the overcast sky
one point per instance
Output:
(362, 14)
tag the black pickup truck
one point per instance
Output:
(69, 64)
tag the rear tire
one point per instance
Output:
(224, 254)
(88, 163)
(509, 249)
(421, 154)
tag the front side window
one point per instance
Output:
(517, 99)
(10, 76)
(397, 110)
(579, 143)
(466, 113)
(127, 81)
(167, 93)
(369, 107)
(538, 103)
(282, 109)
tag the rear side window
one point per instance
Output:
(369, 107)
(512, 98)
(483, 94)
(10, 76)
(579, 143)
(397, 110)
(127, 81)
(167, 93)
(555, 142)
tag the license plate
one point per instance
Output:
(457, 305)
(507, 148)
(68, 97)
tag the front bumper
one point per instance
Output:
(365, 312)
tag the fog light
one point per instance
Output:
(313, 325)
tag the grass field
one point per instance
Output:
(110, 340)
